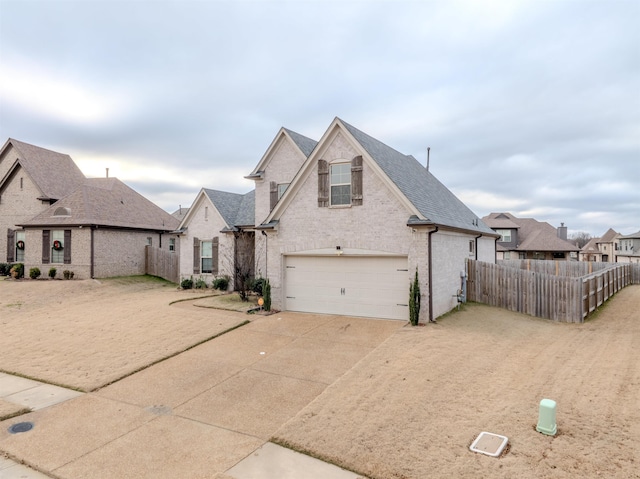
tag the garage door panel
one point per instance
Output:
(354, 286)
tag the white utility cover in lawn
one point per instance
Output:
(368, 286)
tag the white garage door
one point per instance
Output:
(376, 287)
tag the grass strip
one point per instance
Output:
(308, 452)
(142, 368)
(25, 376)
(14, 414)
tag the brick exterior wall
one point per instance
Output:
(116, 252)
(285, 161)
(17, 204)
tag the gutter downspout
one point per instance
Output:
(431, 320)
(91, 272)
(266, 253)
(495, 251)
(476, 246)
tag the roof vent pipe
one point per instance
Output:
(428, 151)
(107, 172)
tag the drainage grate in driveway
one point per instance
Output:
(21, 427)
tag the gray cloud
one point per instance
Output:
(530, 107)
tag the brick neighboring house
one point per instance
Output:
(97, 231)
(527, 238)
(217, 236)
(346, 221)
(590, 251)
(604, 249)
(31, 180)
(629, 248)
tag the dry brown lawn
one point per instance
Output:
(410, 409)
(85, 334)
(413, 406)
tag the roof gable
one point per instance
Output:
(106, 202)
(609, 236)
(426, 198)
(235, 209)
(54, 174)
(300, 142)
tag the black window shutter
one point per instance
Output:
(196, 256)
(273, 194)
(67, 247)
(323, 183)
(11, 245)
(356, 181)
(46, 246)
(215, 243)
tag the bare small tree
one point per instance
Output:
(244, 262)
(580, 238)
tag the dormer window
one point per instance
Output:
(62, 211)
(505, 236)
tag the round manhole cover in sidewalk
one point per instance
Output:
(21, 427)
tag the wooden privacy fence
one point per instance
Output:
(163, 264)
(562, 291)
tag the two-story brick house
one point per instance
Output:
(527, 238)
(354, 222)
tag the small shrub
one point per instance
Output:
(17, 271)
(257, 286)
(34, 273)
(266, 288)
(186, 283)
(5, 269)
(221, 283)
(67, 274)
(52, 273)
(414, 301)
(201, 283)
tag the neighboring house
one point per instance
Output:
(590, 251)
(180, 213)
(629, 248)
(527, 238)
(607, 245)
(217, 237)
(99, 230)
(602, 249)
(31, 179)
(354, 223)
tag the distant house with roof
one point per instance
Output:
(629, 248)
(527, 238)
(31, 179)
(345, 223)
(603, 249)
(98, 230)
(590, 251)
(217, 236)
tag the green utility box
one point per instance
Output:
(547, 418)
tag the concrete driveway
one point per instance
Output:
(199, 414)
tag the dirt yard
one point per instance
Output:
(414, 405)
(85, 334)
(409, 410)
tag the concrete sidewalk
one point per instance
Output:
(16, 394)
(208, 412)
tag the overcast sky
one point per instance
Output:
(528, 107)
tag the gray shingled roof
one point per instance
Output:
(534, 235)
(55, 174)
(434, 201)
(106, 202)
(236, 209)
(305, 144)
(609, 236)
